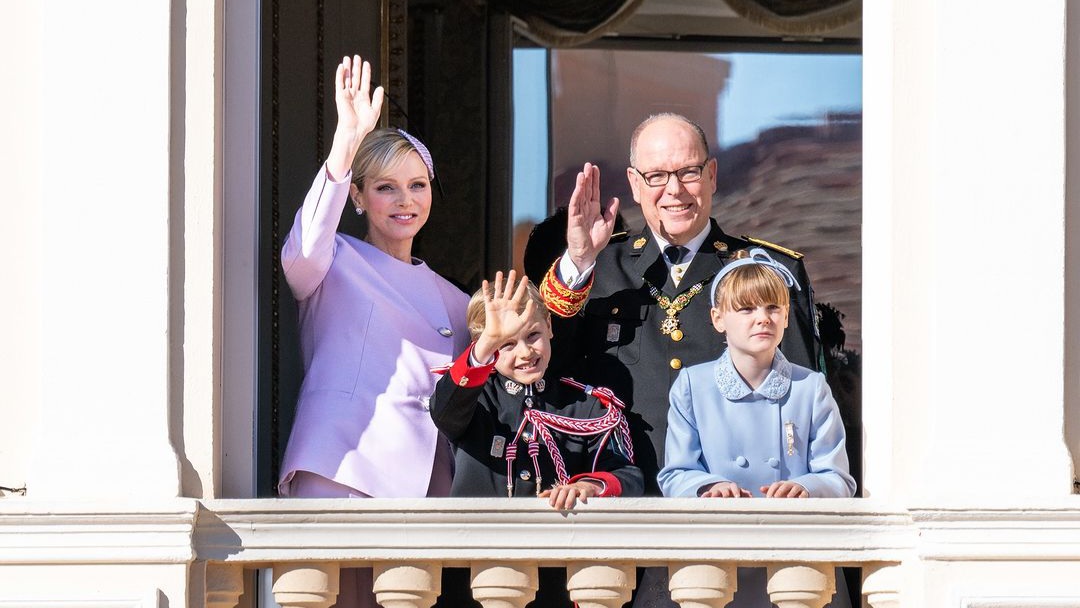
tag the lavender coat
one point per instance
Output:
(369, 336)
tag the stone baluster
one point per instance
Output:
(702, 585)
(306, 585)
(399, 585)
(881, 585)
(504, 585)
(600, 586)
(801, 586)
(224, 584)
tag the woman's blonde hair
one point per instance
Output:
(751, 285)
(475, 317)
(380, 152)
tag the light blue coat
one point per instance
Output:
(719, 429)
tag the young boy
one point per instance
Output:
(517, 433)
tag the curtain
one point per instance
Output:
(567, 23)
(798, 17)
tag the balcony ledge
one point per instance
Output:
(456, 532)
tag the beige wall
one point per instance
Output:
(21, 170)
(965, 382)
(120, 586)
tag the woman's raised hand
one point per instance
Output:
(358, 109)
(358, 112)
(502, 321)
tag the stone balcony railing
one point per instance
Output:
(503, 542)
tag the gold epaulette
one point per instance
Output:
(791, 252)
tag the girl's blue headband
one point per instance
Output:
(422, 150)
(757, 256)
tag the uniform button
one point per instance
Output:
(527, 436)
(676, 363)
(615, 310)
(741, 461)
(677, 335)
(774, 463)
(525, 475)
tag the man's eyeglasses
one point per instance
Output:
(686, 175)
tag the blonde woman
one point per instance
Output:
(373, 321)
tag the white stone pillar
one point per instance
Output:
(801, 586)
(407, 585)
(104, 264)
(600, 586)
(306, 585)
(962, 177)
(224, 584)
(702, 585)
(504, 585)
(881, 585)
(21, 187)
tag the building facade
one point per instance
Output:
(128, 338)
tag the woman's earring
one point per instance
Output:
(359, 211)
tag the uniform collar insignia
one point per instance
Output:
(776, 384)
(514, 388)
(640, 242)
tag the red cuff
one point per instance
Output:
(559, 298)
(612, 487)
(470, 377)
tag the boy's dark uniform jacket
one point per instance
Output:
(615, 341)
(472, 407)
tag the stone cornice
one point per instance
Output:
(642, 530)
(1046, 532)
(458, 531)
(96, 532)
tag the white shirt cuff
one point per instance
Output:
(474, 363)
(569, 274)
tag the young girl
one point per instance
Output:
(751, 423)
(516, 432)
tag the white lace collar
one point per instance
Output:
(732, 386)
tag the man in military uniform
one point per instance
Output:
(635, 309)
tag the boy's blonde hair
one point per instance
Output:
(751, 285)
(474, 314)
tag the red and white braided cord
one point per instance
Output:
(543, 422)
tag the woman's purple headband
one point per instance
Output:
(422, 150)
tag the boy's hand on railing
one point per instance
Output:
(724, 489)
(784, 489)
(563, 497)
